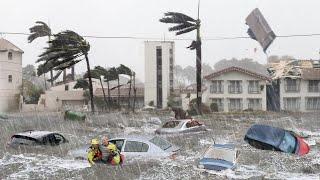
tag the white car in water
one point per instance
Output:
(181, 126)
(136, 147)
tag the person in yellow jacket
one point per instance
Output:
(94, 153)
(114, 154)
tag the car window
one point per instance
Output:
(288, 143)
(51, 139)
(24, 140)
(58, 139)
(192, 124)
(171, 124)
(134, 146)
(118, 143)
(221, 153)
(161, 143)
(261, 145)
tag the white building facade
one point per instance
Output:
(159, 61)
(236, 89)
(10, 75)
(301, 93)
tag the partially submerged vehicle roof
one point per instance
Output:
(34, 134)
(266, 134)
(135, 137)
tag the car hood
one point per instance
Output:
(168, 130)
(216, 164)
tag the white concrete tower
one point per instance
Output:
(159, 61)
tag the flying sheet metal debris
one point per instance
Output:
(259, 29)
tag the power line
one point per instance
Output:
(175, 39)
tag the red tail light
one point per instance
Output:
(303, 147)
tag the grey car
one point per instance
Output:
(181, 126)
(136, 147)
(33, 138)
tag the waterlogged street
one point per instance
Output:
(55, 163)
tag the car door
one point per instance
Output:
(135, 149)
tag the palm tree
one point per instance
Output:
(185, 24)
(67, 49)
(81, 83)
(110, 75)
(96, 73)
(122, 69)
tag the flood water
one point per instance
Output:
(55, 162)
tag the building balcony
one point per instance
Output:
(313, 103)
(235, 89)
(235, 107)
(216, 90)
(292, 107)
(313, 89)
(254, 90)
(292, 88)
(255, 106)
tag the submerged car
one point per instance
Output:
(219, 157)
(272, 138)
(33, 138)
(181, 126)
(136, 146)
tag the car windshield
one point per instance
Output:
(288, 143)
(172, 124)
(221, 154)
(163, 144)
(23, 140)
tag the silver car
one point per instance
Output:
(136, 147)
(181, 126)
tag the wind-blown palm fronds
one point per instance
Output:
(66, 49)
(81, 83)
(39, 30)
(184, 23)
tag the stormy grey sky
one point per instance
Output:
(140, 18)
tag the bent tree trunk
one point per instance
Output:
(119, 92)
(129, 97)
(90, 83)
(104, 94)
(51, 77)
(134, 92)
(109, 97)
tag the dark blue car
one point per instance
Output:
(219, 157)
(271, 138)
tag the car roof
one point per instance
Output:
(34, 134)
(225, 146)
(135, 137)
(266, 134)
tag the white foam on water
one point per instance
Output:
(36, 164)
(293, 176)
